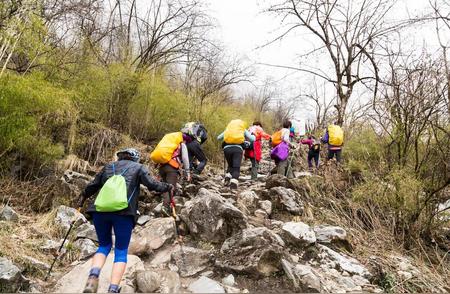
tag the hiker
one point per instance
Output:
(235, 138)
(172, 158)
(280, 152)
(334, 137)
(313, 150)
(125, 176)
(255, 153)
(197, 135)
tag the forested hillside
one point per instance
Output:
(82, 79)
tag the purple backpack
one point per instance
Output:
(280, 152)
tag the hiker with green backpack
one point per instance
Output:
(115, 207)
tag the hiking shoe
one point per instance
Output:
(112, 289)
(91, 285)
(234, 184)
(166, 210)
(227, 179)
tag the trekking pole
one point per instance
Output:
(62, 245)
(177, 222)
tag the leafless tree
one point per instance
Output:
(348, 32)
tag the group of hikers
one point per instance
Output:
(181, 153)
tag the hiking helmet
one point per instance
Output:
(131, 152)
(196, 130)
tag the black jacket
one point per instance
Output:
(135, 175)
(195, 151)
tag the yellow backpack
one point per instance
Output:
(335, 135)
(276, 138)
(166, 147)
(234, 132)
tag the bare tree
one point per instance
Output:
(348, 32)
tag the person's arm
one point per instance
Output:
(265, 136)
(221, 136)
(92, 188)
(185, 158)
(198, 153)
(249, 136)
(285, 136)
(151, 183)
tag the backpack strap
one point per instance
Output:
(132, 194)
(114, 169)
(124, 171)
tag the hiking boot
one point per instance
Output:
(234, 184)
(91, 285)
(112, 289)
(166, 210)
(227, 179)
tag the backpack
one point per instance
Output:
(315, 146)
(113, 195)
(335, 135)
(234, 132)
(196, 130)
(280, 152)
(276, 138)
(166, 148)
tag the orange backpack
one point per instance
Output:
(276, 138)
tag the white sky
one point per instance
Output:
(243, 27)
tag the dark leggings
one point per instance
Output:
(332, 153)
(233, 155)
(168, 174)
(313, 155)
(123, 225)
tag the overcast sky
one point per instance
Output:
(244, 27)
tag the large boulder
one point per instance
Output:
(65, 215)
(298, 234)
(205, 285)
(303, 277)
(277, 180)
(86, 246)
(75, 280)
(8, 214)
(86, 231)
(148, 281)
(191, 261)
(11, 279)
(153, 235)
(344, 263)
(255, 251)
(286, 199)
(211, 217)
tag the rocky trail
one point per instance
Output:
(258, 238)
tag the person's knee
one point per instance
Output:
(120, 255)
(104, 249)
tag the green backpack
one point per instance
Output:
(113, 194)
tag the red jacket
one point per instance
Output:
(256, 152)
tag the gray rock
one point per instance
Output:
(191, 261)
(248, 200)
(52, 247)
(303, 174)
(65, 215)
(157, 209)
(286, 199)
(75, 280)
(164, 254)
(302, 276)
(170, 282)
(86, 231)
(205, 285)
(87, 247)
(229, 289)
(298, 233)
(277, 180)
(8, 214)
(254, 251)
(210, 217)
(143, 219)
(345, 263)
(35, 263)
(266, 205)
(152, 235)
(228, 280)
(328, 234)
(11, 279)
(148, 281)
